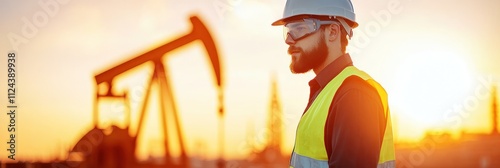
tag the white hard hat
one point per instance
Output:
(339, 9)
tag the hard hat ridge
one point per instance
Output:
(335, 8)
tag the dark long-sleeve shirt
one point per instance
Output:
(356, 121)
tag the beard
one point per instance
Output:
(308, 59)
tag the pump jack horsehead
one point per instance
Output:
(161, 78)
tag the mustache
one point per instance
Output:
(293, 49)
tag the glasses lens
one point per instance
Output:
(299, 29)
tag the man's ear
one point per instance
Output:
(333, 31)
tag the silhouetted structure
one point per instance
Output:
(275, 120)
(271, 155)
(494, 111)
(116, 149)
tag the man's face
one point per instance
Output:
(307, 53)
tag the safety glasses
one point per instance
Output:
(302, 28)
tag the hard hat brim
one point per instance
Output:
(279, 22)
(284, 20)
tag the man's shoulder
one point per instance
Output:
(357, 84)
(356, 96)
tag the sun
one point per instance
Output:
(431, 79)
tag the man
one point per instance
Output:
(347, 121)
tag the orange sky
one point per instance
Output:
(431, 56)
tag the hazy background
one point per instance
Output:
(437, 60)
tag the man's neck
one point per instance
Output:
(328, 60)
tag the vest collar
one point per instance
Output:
(331, 70)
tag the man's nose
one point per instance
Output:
(289, 40)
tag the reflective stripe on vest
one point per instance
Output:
(310, 150)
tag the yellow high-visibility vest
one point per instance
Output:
(310, 150)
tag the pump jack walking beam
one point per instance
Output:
(199, 32)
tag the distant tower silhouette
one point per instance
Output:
(494, 111)
(271, 155)
(275, 119)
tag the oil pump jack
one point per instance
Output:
(160, 77)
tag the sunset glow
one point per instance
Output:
(437, 61)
